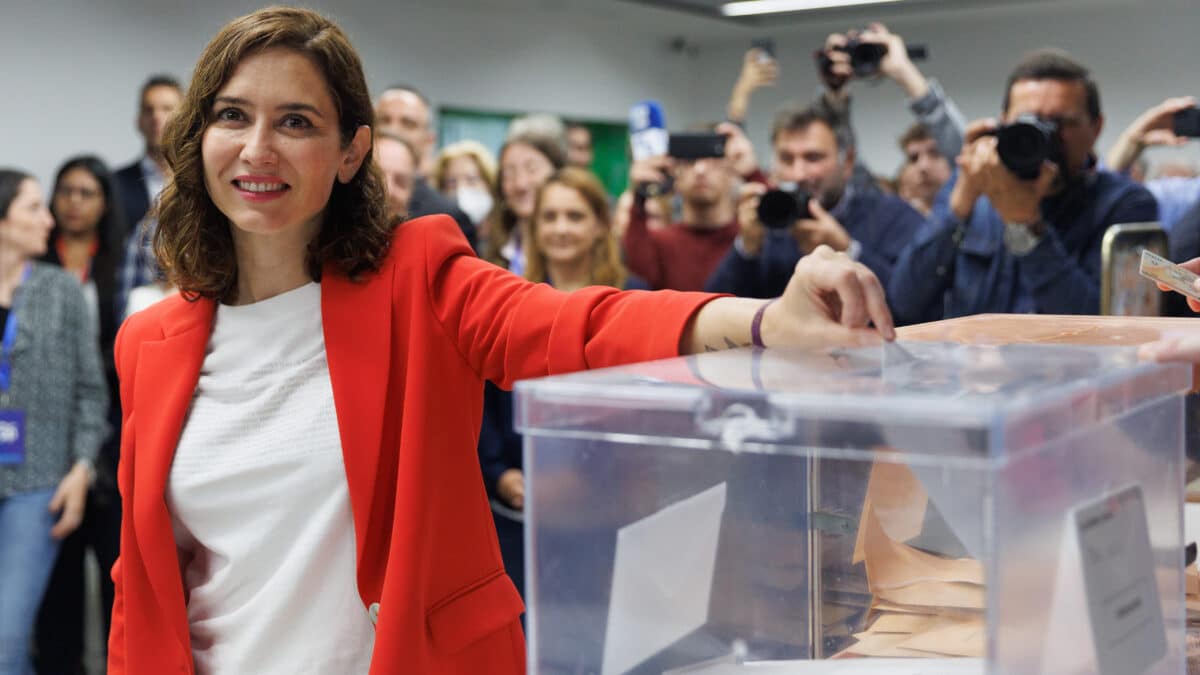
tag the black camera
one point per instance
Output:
(866, 56)
(778, 209)
(1026, 142)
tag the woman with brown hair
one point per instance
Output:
(52, 406)
(571, 243)
(297, 459)
(571, 246)
(526, 161)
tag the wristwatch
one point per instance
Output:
(1020, 239)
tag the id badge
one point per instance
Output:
(12, 437)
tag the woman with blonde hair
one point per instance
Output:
(466, 172)
(572, 243)
(298, 459)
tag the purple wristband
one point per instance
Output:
(756, 324)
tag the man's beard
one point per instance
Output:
(830, 195)
(703, 200)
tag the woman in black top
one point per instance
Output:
(88, 241)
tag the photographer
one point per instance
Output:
(930, 105)
(826, 209)
(1020, 231)
(1155, 127)
(682, 255)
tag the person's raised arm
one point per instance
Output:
(931, 106)
(641, 250)
(759, 70)
(1153, 127)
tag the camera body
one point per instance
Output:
(1186, 123)
(778, 209)
(1026, 142)
(865, 57)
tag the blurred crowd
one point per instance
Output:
(999, 215)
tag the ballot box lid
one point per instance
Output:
(954, 402)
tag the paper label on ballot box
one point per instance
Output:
(12, 436)
(1119, 583)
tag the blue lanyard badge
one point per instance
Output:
(12, 437)
(10, 339)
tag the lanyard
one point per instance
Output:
(10, 337)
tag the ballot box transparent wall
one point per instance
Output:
(917, 508)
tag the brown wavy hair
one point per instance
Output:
(607, 269)
(503, 220)
(193, 242)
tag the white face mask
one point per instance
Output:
(475, 202)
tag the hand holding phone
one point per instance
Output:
(690, 147)
(766, 49)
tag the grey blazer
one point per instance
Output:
(57, 380)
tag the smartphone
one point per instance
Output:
(696, 146)
(766, 47)
(1187, 123)
(1123, 291)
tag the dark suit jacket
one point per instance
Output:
(426, 201)
(135, 197)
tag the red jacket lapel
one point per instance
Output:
(164, 383)
(357, 318)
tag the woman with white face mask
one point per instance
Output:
(466, 172)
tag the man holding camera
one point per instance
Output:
(877, 52)
(1020, 228)
(682, 255)
(817, 204)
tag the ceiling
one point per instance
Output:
(711, 9)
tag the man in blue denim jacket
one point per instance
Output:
(998, 243)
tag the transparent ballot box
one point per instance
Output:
(920, 508)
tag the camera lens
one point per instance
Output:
(1024, 144)
(779, 209)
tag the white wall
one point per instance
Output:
(1139, 52)
(72, 68)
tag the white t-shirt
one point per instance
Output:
(260, 504)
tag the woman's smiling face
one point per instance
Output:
(273, 148)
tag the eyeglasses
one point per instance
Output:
(86, 194)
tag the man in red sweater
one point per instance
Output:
(683, 255)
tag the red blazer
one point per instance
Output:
(408, 351)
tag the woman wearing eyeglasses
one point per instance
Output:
(87, 241)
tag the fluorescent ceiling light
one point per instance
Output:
(749, 7)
